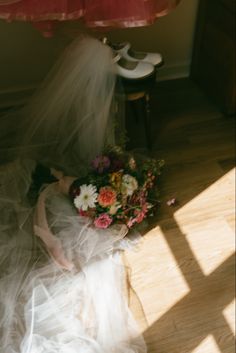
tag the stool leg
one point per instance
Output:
(136, 113)
(147, 121)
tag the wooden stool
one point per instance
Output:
(134, 92)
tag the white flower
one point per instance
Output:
(87, 197)
(129, 184)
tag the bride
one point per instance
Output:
(61, 280)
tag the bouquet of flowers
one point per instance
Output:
(118, 189)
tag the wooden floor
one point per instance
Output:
(183, 272)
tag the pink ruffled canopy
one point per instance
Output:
(94, 13)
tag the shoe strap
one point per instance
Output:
(116, 57)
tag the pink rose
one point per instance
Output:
(107, 196)
(103, 221)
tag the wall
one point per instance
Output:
(26, 57)
(171, 35)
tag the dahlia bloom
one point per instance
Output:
(107, 196)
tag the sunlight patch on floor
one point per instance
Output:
(229, 314)
(208, 345)
(156, 276)
(216, 200)
(212, 242)
(210, 235)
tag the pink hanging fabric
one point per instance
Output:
(95, 13)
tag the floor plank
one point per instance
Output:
(183, 272)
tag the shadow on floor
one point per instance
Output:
(197, 143)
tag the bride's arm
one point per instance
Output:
(41, 226)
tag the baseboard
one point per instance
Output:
(11, 97)
(172, 72)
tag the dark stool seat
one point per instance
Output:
(135, 91)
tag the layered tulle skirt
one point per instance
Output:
(45, 308)
(62, 281)
(98, 13)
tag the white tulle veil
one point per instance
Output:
(70, 118)
(43, 307)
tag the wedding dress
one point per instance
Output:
(61, 280)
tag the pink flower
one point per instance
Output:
(103, 221)
(131, 222)
(101, 164)
(107, 196)
(83, 213)
(171, 202)
(139, 216)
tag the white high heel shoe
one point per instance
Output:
(132, 69)
(124, 49)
